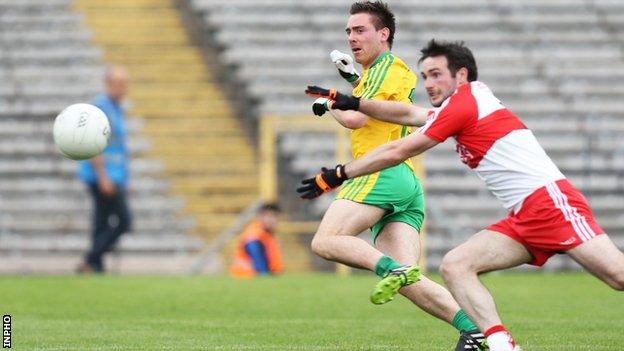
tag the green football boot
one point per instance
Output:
(389, 286)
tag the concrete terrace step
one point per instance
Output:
(70, 223)
(219, 203)
(40, 148)
(43, 166)
(36, 185)
(35, 206)
(153, 76)
(198, 109)
(202, 166)
(155, 243)
(116, 263)
(205, 147)
(216, 184)
(172, 92)
(184, 124)
(127, 4)
(115, 10)
(153, 55)
(210, 224)
(218, 142)
(185, 113)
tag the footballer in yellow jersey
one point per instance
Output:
(396, 189)
(390, 202)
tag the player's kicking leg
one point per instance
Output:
(335, 238)
(395, 279)
(401, 241)
(484, 252)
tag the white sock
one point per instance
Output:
(501, 341)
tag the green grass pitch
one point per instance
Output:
(292, 312)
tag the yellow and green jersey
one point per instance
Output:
(388, 78)
(396, 189)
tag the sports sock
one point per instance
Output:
(499, 338)
(385, 265)
(462, 322)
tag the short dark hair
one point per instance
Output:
(270, 206)
(457, 56)
(381, 13)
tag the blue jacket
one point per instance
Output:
(115, 155)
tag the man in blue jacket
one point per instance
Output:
(106, 175)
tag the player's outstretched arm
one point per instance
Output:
(382, 157)
(389, 154)
(349, 119)
(395, 112)
(388, 111)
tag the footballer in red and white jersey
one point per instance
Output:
(494, 142)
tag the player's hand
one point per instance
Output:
(323, 182)
(106, 187)
(346, 68)
(321, 105)
(341, 101)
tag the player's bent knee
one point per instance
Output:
(319, 246)
(452, 266)
(316, 245)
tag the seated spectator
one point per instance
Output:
(257, 250)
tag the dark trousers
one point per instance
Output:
(111, 218)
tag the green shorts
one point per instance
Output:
(395, 189)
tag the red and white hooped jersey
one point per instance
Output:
(493, 142)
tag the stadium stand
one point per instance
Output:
(558, 64)
(47, 62)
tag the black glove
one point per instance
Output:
(341, 101)
(323, 182)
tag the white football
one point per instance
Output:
(81, 131)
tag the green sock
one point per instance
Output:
(385, 265)
(462, 322)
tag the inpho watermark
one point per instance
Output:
(6, 331)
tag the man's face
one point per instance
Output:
(439, 82)
(269, 219)
(117, 84)
(365, 41)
